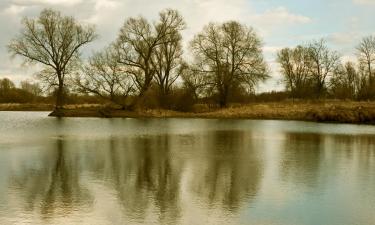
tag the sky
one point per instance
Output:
(279, 24)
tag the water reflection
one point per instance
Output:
(301, 158)
(51, 184)
(220, 173)
(222, 169)
(228, 168)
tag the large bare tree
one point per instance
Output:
(105, 77)
(138, 42)
(229, 55)
(168, 63)
(54, 41)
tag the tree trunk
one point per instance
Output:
(223, 101)
(60, 96)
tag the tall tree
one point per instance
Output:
(105, 77)
(168, 63)
(323, 63)
(138, 41)
(229, 55)
(54, 41)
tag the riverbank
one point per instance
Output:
(332, 111)
(25, 107)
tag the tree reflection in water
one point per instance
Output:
(52, 185)
(302, 157)
(227, 169)
(221, 169)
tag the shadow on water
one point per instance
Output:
(311, 159)
(53, 183)
(229, 169)
(160, 175)
(222, 169)
(301, 158)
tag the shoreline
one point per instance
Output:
(346, 112)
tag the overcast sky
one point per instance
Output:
(279, 23)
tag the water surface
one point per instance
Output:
(184, 171)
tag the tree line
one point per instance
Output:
(315, 71)
(146, 64)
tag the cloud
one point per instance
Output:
(344, 38)
(46, 2)
(281, 15)
(13, 10)
(364, 2)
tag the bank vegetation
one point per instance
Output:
(146, 70)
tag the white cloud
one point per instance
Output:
(344, 38)
(13, 10)
(272, 49)
(281, 15)
(349, 58)
(46, 2)
(364, 2)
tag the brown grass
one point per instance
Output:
(25, 107)
(319, 111)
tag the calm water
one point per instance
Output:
(184, 171)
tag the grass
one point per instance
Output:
(25, 107)
(319, 111)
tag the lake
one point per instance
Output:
(184, 171)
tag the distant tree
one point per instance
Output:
(343, 83)
(6, 84)
(366, 58)
(54, 41)
(105, 77)
(139, 40)
(31, 87)
(295, 67)
(229, 56)
(323, 63)
(10, 94)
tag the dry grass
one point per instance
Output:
(25, 107)
(321, 111)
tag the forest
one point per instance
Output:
(147, 66)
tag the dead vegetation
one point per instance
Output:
(318, 111)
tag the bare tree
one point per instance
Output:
(54, 41)
(343, 83)
(295, 67)
(6, 84)
(230, 56)
(366, 56)
(105, 77)
(138, 41)
(168, 63)
(193, 81)
(31, 87)
(323, 64)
